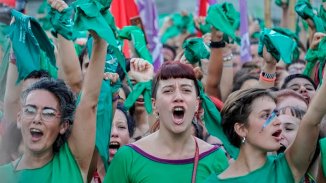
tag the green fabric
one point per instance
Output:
(280, 46)
(289, 33)
(62, 23)
(280, 3)
(275, 170)
(141, 88)
(62, 168)
(180, 25)
(45, 20)
(47, 66)
(322, 15)
(305, 10)
(313, 56)
(322, 143)
(213, 120)
(195, 49)
(136, 35)
(205, 28)
(131, 164)
(42, 7)
(225, 18)
(104, 119)
(28, 39)
(94, 15)
(5, 49)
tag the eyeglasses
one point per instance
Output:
(47, 114)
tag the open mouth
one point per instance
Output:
(277, 135)
(178, 114)
(36, 134)
(114, 145)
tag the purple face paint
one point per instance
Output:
(270, 119)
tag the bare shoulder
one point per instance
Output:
(145, 143)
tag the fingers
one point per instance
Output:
(59, 5)
(113, 77)
(138, 64)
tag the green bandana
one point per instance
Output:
(205, 28)
(180, 25)
(45, 20)
(136, 35)
(322, 15)
(280, 46)
(94, 15)
(28, 40)
(322, 143)
(225, 18)
(5, 48)
(213, 120)
(62, 23)
(280, 3)
(305, 10)
(313, 56)
(195, 49)
(289, 33)
(144, 88)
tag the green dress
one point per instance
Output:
(62, 168)
(133, 165)
(275, 170)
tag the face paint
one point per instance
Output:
(270, 119)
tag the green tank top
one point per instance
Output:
(133, 165)
(275, 170)
(63, 168)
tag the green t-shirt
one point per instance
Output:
(275, 170)
(62, 168)
(133, 165)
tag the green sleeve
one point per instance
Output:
(119, 168)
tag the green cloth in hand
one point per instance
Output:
(280, 3)
(62, 23)
(213, 122)
(94, 15)
(195, 49)
(225, 18)
(181, 24)
(28, 39)
(144, 88)
(136, 35)
(305, 11)
(278, 45)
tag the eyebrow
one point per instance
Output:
(34, 106)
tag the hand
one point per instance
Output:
(216, 35)
(268, 58)
(198, 21)
(113, 77)
(59, 5)
(318, 36)
(141, 70)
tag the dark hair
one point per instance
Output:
(66, 100)
(172, 49)
(237, 108)
(294, 76)
(173, 69)
(130, 121)
(240, 80)
(81, 56)
(37, 75)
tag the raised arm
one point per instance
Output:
(69, 62)
(300, 153)
(82, 139)
(215, 66)
(269, 67)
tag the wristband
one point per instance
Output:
(217, 44)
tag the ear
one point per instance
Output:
(241, 129)
(19, 118)
(63, 127)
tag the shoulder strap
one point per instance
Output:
(196, 159)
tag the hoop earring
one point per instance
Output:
(243, 140)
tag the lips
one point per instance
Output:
(277, 135)
(36, 134)
(178, 114)
(113, 147)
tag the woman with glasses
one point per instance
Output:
(59, 138)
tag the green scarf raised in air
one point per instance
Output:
(5, 49)
(278, 45)
(280, 2)
(313, 56)
(141, 88)
(305, 10)
(213, 120)
(181, 24)
(195, 49)
(62, 23)
(28, 41)
(136, 35)
(225, 18)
